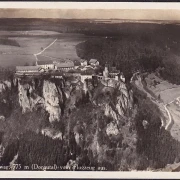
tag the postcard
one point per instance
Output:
(89, 90)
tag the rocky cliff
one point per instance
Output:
(92, 118)
(56, 97)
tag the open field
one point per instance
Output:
(167, 91)
(63, 48)
(26, 33)
(12, 56)
(13, 60)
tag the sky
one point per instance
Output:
(132, 14)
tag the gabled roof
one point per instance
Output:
(93, 61)
(83, 60)
(67, 64)
(44, 62)
(26, 68)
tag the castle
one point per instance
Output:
(68, 67)
(112, 73)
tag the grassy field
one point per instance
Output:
(29, 45)
(64, 48)
(26, 33)
(167, 91)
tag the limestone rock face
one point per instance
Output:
(123, 102)
(50, 100)
(52, 133)
(5, 84)
(59, 101)
(52, 97)
(118, 103)
(24, 101)
(112, 129)
(108, 111)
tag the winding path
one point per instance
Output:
(44, 49)
(171, 121)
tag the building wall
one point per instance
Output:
(23, 71)
(106, 72)
(84, 63)
(47, 66)
(83, 77)
(65, 68)
(96, 63)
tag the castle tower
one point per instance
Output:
(106, 71)
(122, 77)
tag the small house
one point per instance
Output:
(94, 62)
(83, 62)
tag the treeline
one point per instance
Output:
(132, 54)
(9, 42)
(171, 69)
(90, 27)
(128, 55)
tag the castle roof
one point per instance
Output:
(83, 60)
(44, 62)
(93, 61)
(26, 68)
(67, 64)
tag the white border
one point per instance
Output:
(90, 175)
(88, 5)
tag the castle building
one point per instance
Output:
(122, 77)
(48, 64)
(83, 62)
(27, 69)
(112, 72)
(106, 72)
(94, 62)
(65, 66)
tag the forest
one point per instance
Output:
(131, 55)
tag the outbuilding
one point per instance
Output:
(94, 62)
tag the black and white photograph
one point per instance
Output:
(89, 89)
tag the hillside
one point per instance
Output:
(86, 125)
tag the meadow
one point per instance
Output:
(32, 42)
(168, 92)
(64, 48)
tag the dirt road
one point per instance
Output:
(140, 86)
(44, 49)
